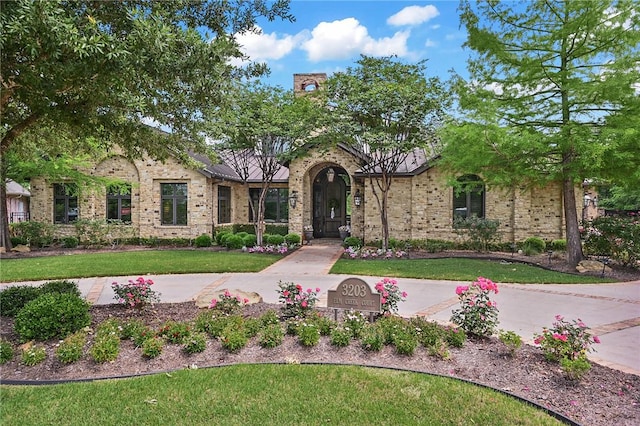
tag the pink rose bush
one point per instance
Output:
(478, 314)
(228, 303)
(390, 295)
(296, 301)
(566, 340)
(135, 294)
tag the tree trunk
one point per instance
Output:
(5, 239)
(574, 245)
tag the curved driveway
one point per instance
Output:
(611, 310)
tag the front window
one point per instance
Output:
(119, 203)
(224, 204)
(65, 203)
(276, 204)
(468, 199)
(174, 203)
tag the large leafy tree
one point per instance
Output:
(264, 129)
(102, 70)
(386, 111)
(553, 96)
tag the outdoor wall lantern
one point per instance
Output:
(357, 198)
(588, 200)
(330, 174)
(293, 199)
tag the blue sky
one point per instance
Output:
(329, 35)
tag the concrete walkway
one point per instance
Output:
(611, 310)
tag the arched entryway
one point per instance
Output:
(331, 207)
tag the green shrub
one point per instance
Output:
(270, 317)
(558, 245)
(71, 348)
(511, 340)
(325, 325)
(249, 240)
(94, 233)
(398, 244)
(248, 228)
(14, 298)
(218, 324)
(575, 369)
(203, 240)
(372, 338)
(292, 326)
(354, 322)
(251, 327)
(195, 343)
(233, 242)
(6, 351)
(405, 343)
(33, 355)
(52, 315)
(174, 332)
(233, 338)
(271, 336)
(106, 344)
(17, 241)
(533, 246)
(480, 232)
(439, 349)
(242, 234)
(141, 335)
(70, 242)
(308, 334)
(616, 237)
(132, 328)
(276, 229)
(292, 239)
(221, 237)
(455, 336)
(152, 347)
(62, 286)
(354, 242)
(35, 234)
(390, 326)
(275, 239)
(340, 337)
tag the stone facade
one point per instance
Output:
(420, 205)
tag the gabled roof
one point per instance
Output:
(225, 171)
(17, 190)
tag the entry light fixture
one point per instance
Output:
(331, 174)
(293, 199)
(357, 198)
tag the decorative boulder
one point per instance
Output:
(592, 266)
(21, 248)
(204, 299)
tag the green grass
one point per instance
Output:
(268, 395)
(459, 269)
(131, 263)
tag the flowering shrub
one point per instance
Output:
(297, 302)
(135, 294)
(269, 248)
(354, 323)
(228, 303)
(390, 295)
(617, 237)
(369, 253)
(478, 314)
(565, 339)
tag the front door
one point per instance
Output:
(329, 205)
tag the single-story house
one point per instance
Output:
(17, 202)
(324, 190)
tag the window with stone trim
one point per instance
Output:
(276, 204)
(174, 204)
(119, 203)
(468, 197)
(224, 204)
(65, 203)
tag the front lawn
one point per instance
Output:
(459, 269)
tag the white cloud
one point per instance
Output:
(413, 15)
(430, 43)
(345, 38)
(262, 47)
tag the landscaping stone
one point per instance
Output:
(204, 299)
